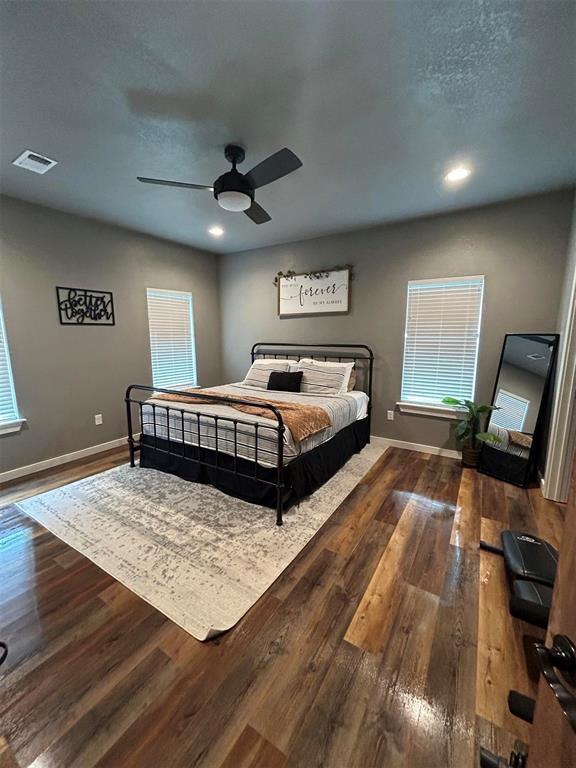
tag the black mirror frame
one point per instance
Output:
(515, 469)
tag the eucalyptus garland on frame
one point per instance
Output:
(314, 275)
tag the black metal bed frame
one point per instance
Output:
(260, 350)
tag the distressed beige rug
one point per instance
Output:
(200, 557)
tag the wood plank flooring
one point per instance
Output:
(386, 643)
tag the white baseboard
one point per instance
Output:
(386, 442)
(30, 469)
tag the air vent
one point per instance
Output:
(32, 161)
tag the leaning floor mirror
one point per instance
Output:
(522, 395)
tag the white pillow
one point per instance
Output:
(324, 376)
(260, 371)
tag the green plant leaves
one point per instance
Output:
(487, 437)
(487, 408)
(452, 401)
(463, 430)
(469, 427)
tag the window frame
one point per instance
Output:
(512, 396)
(190, 297)
(13, 424)
(434, 407)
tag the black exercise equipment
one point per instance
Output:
(529, 557)
(489, 760)
(521, 706)
(531, 602)
(526, 557)
(531, 564)
(491, 548)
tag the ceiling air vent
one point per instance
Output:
(32, 161)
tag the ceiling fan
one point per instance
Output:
(234, 191)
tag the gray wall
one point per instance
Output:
(64, 375)
(520, 247)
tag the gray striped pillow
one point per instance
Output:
(321, 379)
(260, 371)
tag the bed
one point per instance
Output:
(510, 441)
(236, 437)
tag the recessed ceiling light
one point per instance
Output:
(216, 231)
(458, 173)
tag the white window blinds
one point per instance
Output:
(8, 406)
(172, 347)
(441, 339)
(514, 410)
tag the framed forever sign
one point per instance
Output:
(314, 293)
(82, 306)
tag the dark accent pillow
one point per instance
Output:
(285, 382)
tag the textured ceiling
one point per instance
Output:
(518, 349)
(377, 98)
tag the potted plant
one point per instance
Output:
(469, 432)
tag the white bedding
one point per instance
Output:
(505, 443)
(343, 410)
(362, 400)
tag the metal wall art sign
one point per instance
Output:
(81, 306)
(314, 293)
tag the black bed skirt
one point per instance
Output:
(302, 476)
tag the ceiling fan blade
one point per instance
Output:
(166, 183)
(279, 164)
(257, 213)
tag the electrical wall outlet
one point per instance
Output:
(98, 419)
(390, 415)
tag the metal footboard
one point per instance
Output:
(210, 423)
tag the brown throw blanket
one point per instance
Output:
(302, 420)
(524, 441)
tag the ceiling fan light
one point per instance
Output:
(234, 201)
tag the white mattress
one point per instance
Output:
(362, 400)
(342, 409)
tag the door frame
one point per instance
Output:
(562, 438)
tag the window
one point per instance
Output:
(172, 348)
(8, 408)
(514, 410)
(441, 339)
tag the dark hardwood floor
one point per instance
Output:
(386, 643)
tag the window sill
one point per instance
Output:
(429, 409)
(12, 426)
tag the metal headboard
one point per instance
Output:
(359, 353)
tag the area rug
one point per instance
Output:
(200, 557)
